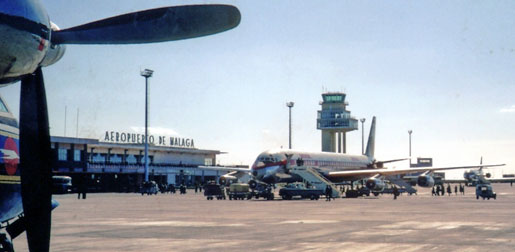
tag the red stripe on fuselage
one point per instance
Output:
(269, 165)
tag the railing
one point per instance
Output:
(335, 123)
(133, 168)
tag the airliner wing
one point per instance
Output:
(225, 168)
(491, 180)
(501, 180)
(386, 171)
(393, 160)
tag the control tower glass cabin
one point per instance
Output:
(334, 120)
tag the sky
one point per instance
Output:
(443, 69)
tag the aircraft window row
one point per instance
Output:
(267, 159)
(3, 108)
(330, 163)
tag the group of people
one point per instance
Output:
(182, 188)
(198, 188)
(439, 190)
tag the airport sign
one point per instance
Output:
(134, 138)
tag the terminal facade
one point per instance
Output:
(110, 166)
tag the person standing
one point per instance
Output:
(79, 182)
(449, 190)
(83, 187)
(456, 189)
(395, 192)
(328, 193)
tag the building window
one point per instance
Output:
(115, 159)
(76, 155)
(131, 159)
(62, 154)
(208, 161)
(98, 158)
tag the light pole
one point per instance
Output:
(147, 73)
(409, 132)
(362, 120)
(289, 105)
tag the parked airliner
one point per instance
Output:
(273, 166)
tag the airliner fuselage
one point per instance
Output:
(271, 166)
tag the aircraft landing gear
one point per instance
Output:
(6, 244)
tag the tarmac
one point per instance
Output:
(165, 222)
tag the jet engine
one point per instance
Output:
(55, 52)
(425, 181)
(375, 184)
(253, 184)
(227, 179)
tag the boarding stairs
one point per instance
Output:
(314, 178)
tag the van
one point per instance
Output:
(61, 184)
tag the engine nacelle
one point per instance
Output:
(375, 184)
(253, 184)
(425, 181)
(54, 52)
(225, 179)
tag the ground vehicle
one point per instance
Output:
(61, 184)
(239, 191)
(213, 190)
(354, 193)
(299, 189)
(149, 187)
(485, 191)
(261, 190)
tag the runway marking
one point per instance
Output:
(167, 223)
(308, 222)
(356, 246)
(443, 225)
(394, 232)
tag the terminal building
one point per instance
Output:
(334, 120)
(116, 162)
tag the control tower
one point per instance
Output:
(335, 121)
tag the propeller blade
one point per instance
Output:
(155, 25)
(35, 165)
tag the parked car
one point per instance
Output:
(299, 189)
(61, 184)
(485, 191)
(149, 188)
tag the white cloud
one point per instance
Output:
(156, 131)
(510, 109)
